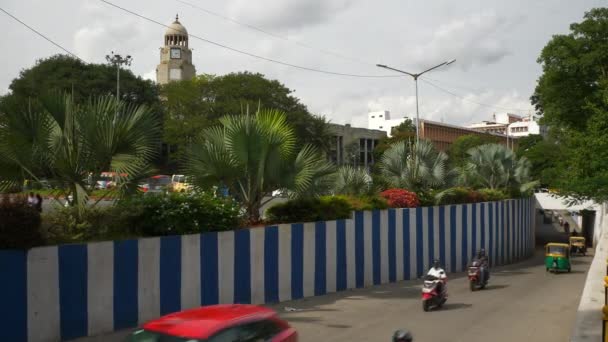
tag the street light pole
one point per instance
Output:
(118, 60)
(415, 76)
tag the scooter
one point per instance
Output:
(476, 281)
(431, 297)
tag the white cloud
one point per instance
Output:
(286, 14)
(475, 40)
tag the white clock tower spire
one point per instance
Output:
(175, 56)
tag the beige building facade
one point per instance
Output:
(175, 56)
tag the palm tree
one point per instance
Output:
(352, 181)
(254, 155)
(494, 166)
(414, 166)
(52, 137)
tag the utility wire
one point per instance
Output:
(475, 102)
(248, 53)
(41, 35)
(284, 38)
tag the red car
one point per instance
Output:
(217, 323)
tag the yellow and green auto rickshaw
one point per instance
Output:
(578, 245)
(557, 257)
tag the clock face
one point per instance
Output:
(176, 53)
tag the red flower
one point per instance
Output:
(400, 198)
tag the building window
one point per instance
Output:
(380, 127)
(373, 116)
(379, 116)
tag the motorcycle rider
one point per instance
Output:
(485, 264)
(402, 336)
(438, 272)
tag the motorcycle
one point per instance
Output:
(431, 296)
(476, 281)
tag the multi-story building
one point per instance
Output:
(382, 121)
(441, 134)
(354, 145)
(511, 125)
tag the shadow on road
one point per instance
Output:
(455, 306)
(495, 287)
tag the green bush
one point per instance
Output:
(359, 203)
(19, 224)
(491, 195)
(180, 213)
(310, 210)
(427, 198)
(143, 215)
(458, 195)
(68, 225)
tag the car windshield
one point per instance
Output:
(149, 336)
(180, 179)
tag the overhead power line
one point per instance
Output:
(274, 35)
(249, 53)
(41, 35)
(475, 102)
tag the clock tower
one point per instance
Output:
(175, 56)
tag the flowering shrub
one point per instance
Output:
(400, 198)
(181, 213)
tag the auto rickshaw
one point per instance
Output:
(578, 245)
(557, 257)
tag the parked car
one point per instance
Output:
(181, 183)
(108, 180)
(157, 184)
(217, 323)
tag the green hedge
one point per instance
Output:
(19, 223)
(144, 215)
(310, 210)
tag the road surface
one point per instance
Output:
(522, 303)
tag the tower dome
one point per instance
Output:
(176, 34)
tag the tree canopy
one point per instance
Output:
(200, 102)
(61, 73)
(574, 72)
(402, 132)
(572, 96)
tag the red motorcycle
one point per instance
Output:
(434, 292)
(476, 281)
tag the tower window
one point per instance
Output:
(379, 116)
(373, 116)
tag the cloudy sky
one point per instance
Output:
(495, 43)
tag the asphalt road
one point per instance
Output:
(522, 303)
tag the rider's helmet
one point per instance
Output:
(402, 336)
(482, 253)
(436, 263)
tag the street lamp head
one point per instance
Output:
(381, 65)
(450, 61)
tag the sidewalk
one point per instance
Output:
(588, 325)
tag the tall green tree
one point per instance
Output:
(571, 96)
(574, 68)
(254, 155)
(63, 73)
(201, 102)
(405, 131)
(544, 155)
(71, 143)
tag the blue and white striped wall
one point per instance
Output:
(69, 291)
